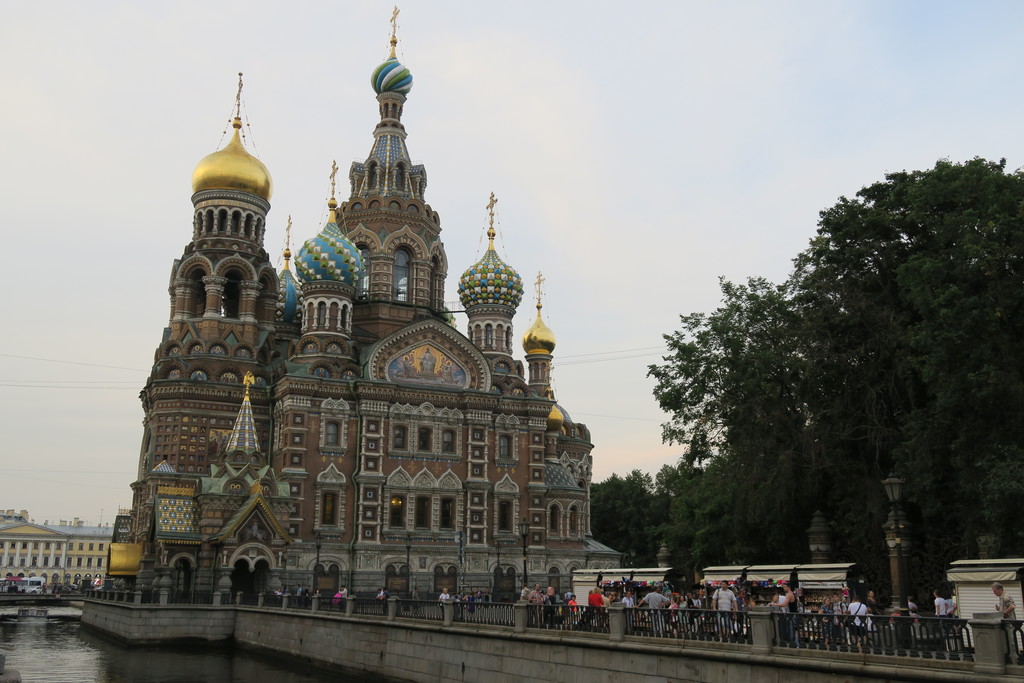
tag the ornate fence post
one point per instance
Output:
(519, 616)
(616, 621)
(138, 598)
(164, 595)
(216, 599)
(350, 606)
(259, 600)
(448, 611)
(392, 608)
(315, 604)
(761, 631)
(238, 598)
(990, 647)
(284, 601)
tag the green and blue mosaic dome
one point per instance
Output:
(391, 76)
(329, 256)
(490, 281)
(289, 295)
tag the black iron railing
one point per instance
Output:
(924, 637)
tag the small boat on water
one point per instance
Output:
(33, 614)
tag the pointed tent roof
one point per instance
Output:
(243, 434)
(256, 500)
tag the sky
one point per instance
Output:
(639, 151)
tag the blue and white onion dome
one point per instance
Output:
(329, 256)
(288, 291)
(490, 281)
(391, 76)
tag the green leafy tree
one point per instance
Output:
(896, 345)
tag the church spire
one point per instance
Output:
(243, 435)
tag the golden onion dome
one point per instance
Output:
(555, 418)
(233, 168)
(539, 338)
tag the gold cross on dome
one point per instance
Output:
(238, 97)
(490, 226)
(394, 31)
(540, 282)
(334, 174)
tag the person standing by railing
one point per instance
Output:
(1004, 603)
(724, 600)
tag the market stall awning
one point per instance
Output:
(823, 572)
(779, 573)
(124, 559)
(730, 573)
(986, 570)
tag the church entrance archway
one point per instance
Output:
(182, 577)
(505, 585)
(446, 578)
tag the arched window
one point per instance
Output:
(331, 438)
(399, 178)
(344, 318)
(448, 441)
(363, 286)
(399, 439)
(573, 523)
(424, 439)
(553, 518)
(321, 314)
(232, 295)
(401, 278)
(505, 447)
(504, 516)
(488, 336)
(397, 511)
(508, 338)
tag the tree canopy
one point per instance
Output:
(896, 345)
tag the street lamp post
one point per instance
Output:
(317, 570)
(524, 531)
(408, 566)
(893, 486)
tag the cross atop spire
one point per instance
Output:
(243, 435)
(287, 243)
(394, 31)
(490, 226)
(238, 98)
(539, 283)
(334, 175)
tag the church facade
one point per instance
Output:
(329, 426)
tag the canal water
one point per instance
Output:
(63, 652)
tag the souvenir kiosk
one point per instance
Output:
(766, 580)
(618, 580)
(819, 581)
(714, 577)
(973, 579)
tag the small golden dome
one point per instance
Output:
(232, 168)
(539, 338)
(555, 419)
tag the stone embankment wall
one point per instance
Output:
(411, 650)
(149, 625)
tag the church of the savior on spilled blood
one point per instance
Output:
(327, 425)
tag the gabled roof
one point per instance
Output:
(252, 505)
(28, 529)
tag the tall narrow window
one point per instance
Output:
(422, 512)
(553, 518)
(321, 314)
(505, 447)
(397, 511)
(401, 278)
(331, 437)
(447, 513)
(447, 441)
(399, 440)
(424, 439)
(328, 506)
(504, 516)
(363, 284)
(488, 336)
(573, 523)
